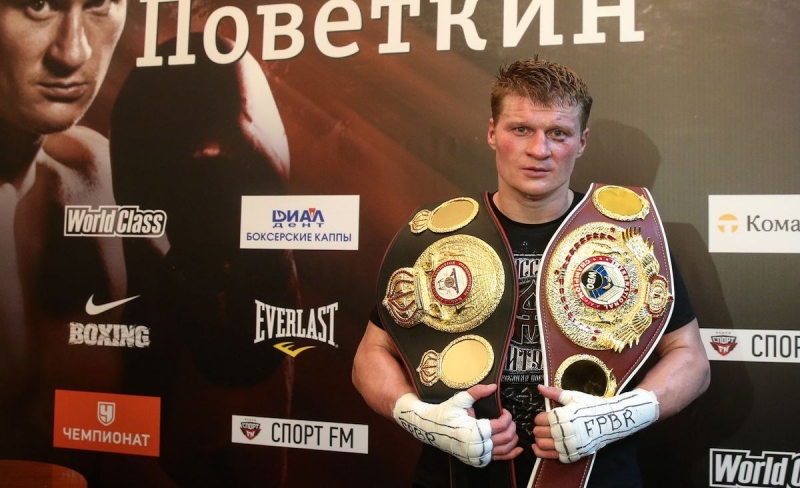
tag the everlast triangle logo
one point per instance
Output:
(734, 468)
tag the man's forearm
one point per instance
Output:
(682, 373)
(378, 374)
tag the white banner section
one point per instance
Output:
(754, 223)
(749, 345)
(300, 434)
(315, 222)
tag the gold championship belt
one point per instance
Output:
(447, 294)
(605, 295)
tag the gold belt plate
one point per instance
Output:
(463, 363)
(454, 286)
(447, 217)
(603, 286)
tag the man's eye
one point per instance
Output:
(520, 130)
(99, 6)
(39, 9)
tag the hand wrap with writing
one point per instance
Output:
(585, 423)
(447, 426)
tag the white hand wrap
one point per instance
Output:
(586, 423)
(447, 426)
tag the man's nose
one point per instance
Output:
(71, 49)
(539, 146)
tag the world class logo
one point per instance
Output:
(740, 469)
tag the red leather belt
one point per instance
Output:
(604, 295)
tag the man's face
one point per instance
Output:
(53, 57)
(535, 147)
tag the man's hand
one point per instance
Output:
(504, 438)
(586, 423)
(452, 427)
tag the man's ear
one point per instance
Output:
(490, 135)
(584, 137)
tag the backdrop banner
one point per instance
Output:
(197, 196)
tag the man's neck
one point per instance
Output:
(533, 211)
(18, 155)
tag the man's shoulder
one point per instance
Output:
(79, 149)
(74, 166)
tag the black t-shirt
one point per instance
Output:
(615, 465)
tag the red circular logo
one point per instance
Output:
(451, 282)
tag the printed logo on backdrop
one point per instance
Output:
(751, 345)
(300, 434)
(723, 343)
(250, 428)
(108, 335)
(113, 221)
(314, 222)
(738, 468)
(312, 327)
(728, 223)
(754, 223)
(106, 412)
(126, 424)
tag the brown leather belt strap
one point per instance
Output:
(604, 295)
(432, 296)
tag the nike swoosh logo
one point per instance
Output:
(93, 309)
(286, 347)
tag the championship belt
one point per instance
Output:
(447, 292)
(605, 294)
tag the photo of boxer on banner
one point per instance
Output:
(53, 61)
(190, 141)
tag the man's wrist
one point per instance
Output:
(404, 403)
(586, 423)
(447, 426)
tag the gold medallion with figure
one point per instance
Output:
(454, 285)
(603, 286)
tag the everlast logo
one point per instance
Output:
(316, 324)
(723, 344)
(734, 468)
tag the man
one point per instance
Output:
(538, 130)
(53, 59)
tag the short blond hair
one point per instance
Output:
(544, 83)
